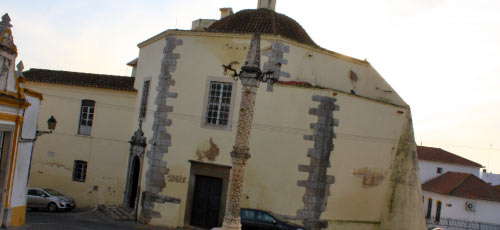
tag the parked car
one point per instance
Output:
(49, 199)
(436, 228)
(259, 219)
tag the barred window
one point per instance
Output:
(86, 117)
(80, 171)
(144, 100)
(219, 103)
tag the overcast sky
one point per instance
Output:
(441, 56)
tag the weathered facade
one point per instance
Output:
(18, 130)
(86, 157)
(369, 181)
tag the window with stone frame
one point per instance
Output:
(144, 99)
(86, 117)
(219, 103)
(80, 171)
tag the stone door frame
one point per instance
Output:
(211, 170)
(137, 149)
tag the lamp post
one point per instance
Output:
(250, 76)
(51, 124)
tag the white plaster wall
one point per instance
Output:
(492, 178)
(486, 211)
(24, 152)
(428, 169)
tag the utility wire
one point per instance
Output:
(257, 126)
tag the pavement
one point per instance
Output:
(79, 219)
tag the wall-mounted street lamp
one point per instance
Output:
(51, 124)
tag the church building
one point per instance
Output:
(353, 168)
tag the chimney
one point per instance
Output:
(202, 24)
(267, 4)
(224, 12)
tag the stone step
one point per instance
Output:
(116, 212)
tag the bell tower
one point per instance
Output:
(267, 4)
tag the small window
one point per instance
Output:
(32, 192)
(439, 170)
(248, 214)
(262, 216)
(144, 99)
(219, 103)
(86, 117)
(429, 208)
(80, 171)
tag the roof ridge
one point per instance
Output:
(437, 154)
(98, 74)
(461, 182)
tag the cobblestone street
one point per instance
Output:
(78, 219)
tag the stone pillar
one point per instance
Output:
(240, 155)
(250, 79)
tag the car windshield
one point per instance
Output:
(53, 192)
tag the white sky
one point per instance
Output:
(441, 56)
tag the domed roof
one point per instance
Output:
(264, 21)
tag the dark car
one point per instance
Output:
(259, 219)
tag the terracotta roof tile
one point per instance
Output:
(264, 21)
(80, 79)
(443, 156)
(462, 185)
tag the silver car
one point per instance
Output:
(49, 199)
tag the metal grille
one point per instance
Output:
(80, 171)
(86, 117)
(144, 100)
(458, 224)
(219, 101)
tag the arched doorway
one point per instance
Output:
(134, 182)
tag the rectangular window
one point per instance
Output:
(144, 99)
(86, 117)
(439, 170)
(219, 103)
(80, 171)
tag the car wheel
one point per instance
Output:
(52, 207)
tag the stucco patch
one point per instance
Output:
(371, 176)
(58, 165)
(209, 152)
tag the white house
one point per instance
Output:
(434, 162)
(491, 178)
(453, 194)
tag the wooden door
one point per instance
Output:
(206, 202)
